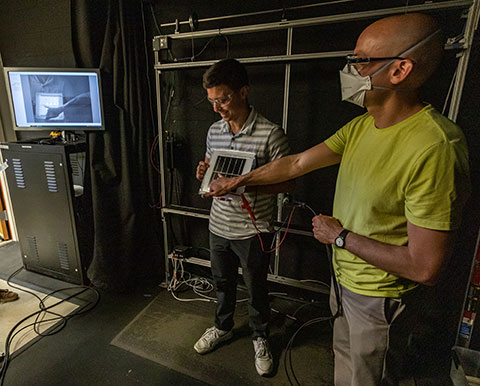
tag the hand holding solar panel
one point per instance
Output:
(226, 164)
(54, 111)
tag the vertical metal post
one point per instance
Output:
(286, 94)
(162, 174)
(470, 27)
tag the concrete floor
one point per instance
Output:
(81, 354)
(28, 304)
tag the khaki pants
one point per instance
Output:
(375, 338)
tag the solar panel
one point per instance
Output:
(228, 163)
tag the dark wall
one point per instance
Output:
(34, 34)
(315, 110)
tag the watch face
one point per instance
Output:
(339, 242)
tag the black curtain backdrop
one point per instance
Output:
(110, 35)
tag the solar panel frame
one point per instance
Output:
(228, 163)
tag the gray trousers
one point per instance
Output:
(226, 256)
(375, 338)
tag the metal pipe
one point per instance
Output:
(185, 213)
(321, 20)
(286, 94)
(208, 19)
(270, 277)
(286, 89)
(258, 59)
(470, 27)
(162, 175)
(193, 212)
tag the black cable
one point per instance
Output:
(155, 19)
(288, 351)
(302, 307)
(195, 56)
(40, 314)
(330, 261)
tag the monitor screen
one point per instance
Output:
(55, 99)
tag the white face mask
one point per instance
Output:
(354, 86)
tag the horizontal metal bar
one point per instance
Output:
(188, 213)
(322, 20)
(298, 284)
(258, 59)
(208, 19)
(273, 278)
(298, 232)
(185, 213)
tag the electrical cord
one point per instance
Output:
(329, 257)
(40, 317)
(246, 206)
(155, 19)
(200, 286)
(195, 56)
(288, 351)
(294, 203)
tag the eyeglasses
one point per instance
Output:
(354, 59)
(221, 101)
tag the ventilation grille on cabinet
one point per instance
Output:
(51, 177)
(76, 170)
(228, 163)
(63, 256)
(33, 248)
(18, 171)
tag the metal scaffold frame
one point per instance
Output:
(471, 8)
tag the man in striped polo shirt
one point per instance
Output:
(233, 236)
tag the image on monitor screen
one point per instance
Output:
(63, 99)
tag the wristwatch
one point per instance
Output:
(340, 239)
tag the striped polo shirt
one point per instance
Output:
(268, 141)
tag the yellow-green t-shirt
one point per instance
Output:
(415, 170)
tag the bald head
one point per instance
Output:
(394, 35)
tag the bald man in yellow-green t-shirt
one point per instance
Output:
(402, 183)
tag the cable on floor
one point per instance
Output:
(41, 314)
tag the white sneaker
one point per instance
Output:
(263, 357)
(210, 338)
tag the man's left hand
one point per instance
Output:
(326, 228)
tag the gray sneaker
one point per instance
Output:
(210, 338)
(263, 357)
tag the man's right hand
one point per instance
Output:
(202, 169)
(221, 186)
(53, 112)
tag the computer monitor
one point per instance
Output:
(55, 99)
